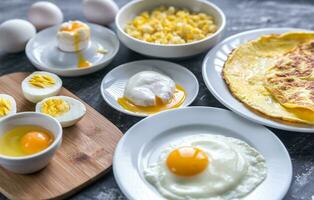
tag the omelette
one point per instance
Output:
(274, 75)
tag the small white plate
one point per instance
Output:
(112, 86)
(43, 53)
(212, 67)
(143, 142)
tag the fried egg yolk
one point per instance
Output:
(5, 107)
(42, 81)
(33, 142)
(175, 102)
(187, 161)
(55, 107)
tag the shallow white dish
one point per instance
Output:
(43, 53)
(112, 86)
(143, 142)
(133, 8)
(212, 68)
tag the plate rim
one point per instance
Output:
(217, 95)
(104, 96)
(71, 71)
(267, 131)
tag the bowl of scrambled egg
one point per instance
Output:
(170, 28)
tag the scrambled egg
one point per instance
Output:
(168, 25)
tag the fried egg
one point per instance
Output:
(66, 110)
(151, 92)
(7, 105)
(207, 167)
(40, 85)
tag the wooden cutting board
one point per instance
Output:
(85, 154)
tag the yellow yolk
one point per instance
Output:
(73, 27)
(187, 161)
(5, 107)
(175, 102)
(81, 61)
(33, 142)
(25, 140)
(42, 80)
(55, 107)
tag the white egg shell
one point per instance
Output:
(76, 112)
(100, 11)
(44, 14)
(34, 94)
(14, 34)
(13, 104)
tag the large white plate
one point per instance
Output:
(212, 67)
(143, 142)
(113, 84)
(44, 54)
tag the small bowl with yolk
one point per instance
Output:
(28, 141)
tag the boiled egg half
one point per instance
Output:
(66, 110)
(7, 105)
(150, 92)
(40, 85)
(207, 166)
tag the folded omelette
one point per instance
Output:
(274, 75)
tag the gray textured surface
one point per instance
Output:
(241, 15)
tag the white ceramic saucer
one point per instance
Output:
(44, 54)
(143, 142)
(112, 86)
(212, 67)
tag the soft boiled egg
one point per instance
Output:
(7, 105)
(207, 167)
(66, 110)
(40, 85)
(151, 92)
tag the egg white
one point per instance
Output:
(76, 112)
(35, 94)
(13, 104)
(234, 170)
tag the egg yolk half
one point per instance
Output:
(55, 107)
(5, 107)
(175, 102)
(33, 142)
(187, 161)
(41, 81)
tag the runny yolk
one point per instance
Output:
(55, 107)
(175, 102)
(81, 61)
(41, 81)
(187, 161)
(72, 27)
(33, 142)
(5, 107)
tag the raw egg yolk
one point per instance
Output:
(42, 80)
(33, 142)
(175, 102)
(72, 27)
(187, 161)
(55, 107)
(5, 107)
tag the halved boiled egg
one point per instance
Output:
(7, 105)
(40, 85)
(66, 110)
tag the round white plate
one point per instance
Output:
(212, 67)
(43, 53)
(143, 142)
(112, 86)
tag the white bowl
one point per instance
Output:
(133, 8)
(34, 162)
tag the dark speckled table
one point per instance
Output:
(241, 15)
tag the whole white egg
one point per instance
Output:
(14, 34)
(100, 11)
(44, 14)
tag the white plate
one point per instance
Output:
(112, 86)
(143, 142)
(212, 67)
(43, 53)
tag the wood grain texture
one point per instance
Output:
(85, 154)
